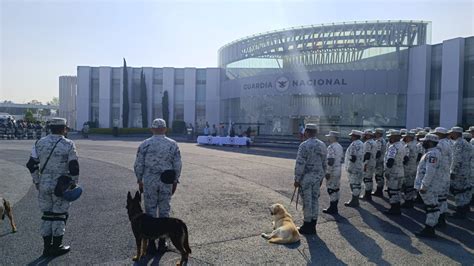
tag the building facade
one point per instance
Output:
(67, 99)
(340, 76)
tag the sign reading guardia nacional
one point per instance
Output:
(282, 83)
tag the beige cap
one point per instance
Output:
(311, 127)
(467, 135)
(158, 123)
(440, 130)
(393, 132)
(368, 132)
(356, 133)
(430, 137)
(379, 130)
(57, 121)
(456, 129)
(333, 134)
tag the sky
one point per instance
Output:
(42, 40)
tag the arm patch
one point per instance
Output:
(32, 165)
(432, 159)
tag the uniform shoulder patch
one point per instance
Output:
(432, 159)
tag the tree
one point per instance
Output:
(29, 116)
(54, 101)
(165, 106)
(143, 100)
(125, 106)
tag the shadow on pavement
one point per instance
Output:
(319, 252)
(41, 261)
(361, 242)
(269, 152)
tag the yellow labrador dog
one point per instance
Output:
(7, 210)
(284, 229)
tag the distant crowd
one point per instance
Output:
(20, 129)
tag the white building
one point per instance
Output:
(67, 99)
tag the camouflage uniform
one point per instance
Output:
(154, 156)
(55, 209)
(355, 169)
(310, 169)
(460, 172)
(446, 157)
(381, 145)
(335, 152)
(395, 174)
(409, 193)
(428, 176)
(370, 146)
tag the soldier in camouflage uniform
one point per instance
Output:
(444, 145)
(51, 157)
(428, 181)
(410, 165)
(310, 169)
(381, 144)
(155, 156)
(354, 160)
(370, 154)
(394, 170)
(460, 172)
(471, 130)
(333, 173)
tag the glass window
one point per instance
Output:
(468, 92)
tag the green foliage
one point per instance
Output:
(165, 108)
(29, 116)
(54, 101)
(125, 106)
(143, 101)
(179, 127)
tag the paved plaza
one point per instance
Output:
(223, 197)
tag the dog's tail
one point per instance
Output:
(279, 240)
(186, 239)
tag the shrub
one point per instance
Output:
(179, 127)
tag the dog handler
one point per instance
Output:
(310, 170)
(53, 156)
(158, 168)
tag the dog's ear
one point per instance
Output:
(138, 196)
(129, 197)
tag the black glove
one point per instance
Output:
(331, 161)
(378, 154)
(367, 156)
(406, 159)
(353, 158)
(390, 162)
(419, 157)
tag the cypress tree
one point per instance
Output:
(125, 106)
(165, 108)
(143, 100)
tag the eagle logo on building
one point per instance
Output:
(282, 84)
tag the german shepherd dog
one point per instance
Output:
(146, 228)
(6, 209)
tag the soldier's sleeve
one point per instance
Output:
(456, 162)
(300, 163)
(177, 164)
(331, 158)
(73, 163)
(432, 162)
(139, 166)
(33, 165)
(324, 154)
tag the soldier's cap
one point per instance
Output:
(421, 133)
(57, 121)
(471, 128)
(427, 129)
(311, 127)
(379, 130)
(456, 129)
(393, 132)
(430, 137)
(158, 123)
(403, 131)
(419, 129)
(467, 135)
(356, 133)
(333, 134)
(410, 133)
(440, 130)
(368, 132)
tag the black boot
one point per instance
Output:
(47, 245)
(354, 202)
(428, 231)
(460, 213)
(418, 199)
(151, 248)
(332, 208)
(162, 245)
(394, 209)
(58, 249)
(408, 204)
(378, 192)
(308, 228)
(367, 196)
(441, 221)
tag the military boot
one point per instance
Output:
(332, 208)
(308, 228)
(162, 245)
(394, 209)
(57, 248)
(354, 202)
(441, 221)
(460, 213)
(408, 204)
(378, 192)
(367, 196)
(47, 245)
(428, 231)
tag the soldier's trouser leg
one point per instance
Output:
(393, 185)
(164, 198)
(368, 179)
(379, 179)
(332, 185)
(150, 195)
(430, 199)
(443, 197)
(310, 196)
(355, 180)
(461, 190)
(55, 209)
(409, 192)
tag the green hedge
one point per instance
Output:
(179, 127)
(121, 131)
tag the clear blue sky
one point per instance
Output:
(41, 40)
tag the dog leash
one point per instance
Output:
(297, 196)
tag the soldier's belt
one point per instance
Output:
(54, 216)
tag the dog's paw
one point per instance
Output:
(264, 235)
(135, 258)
